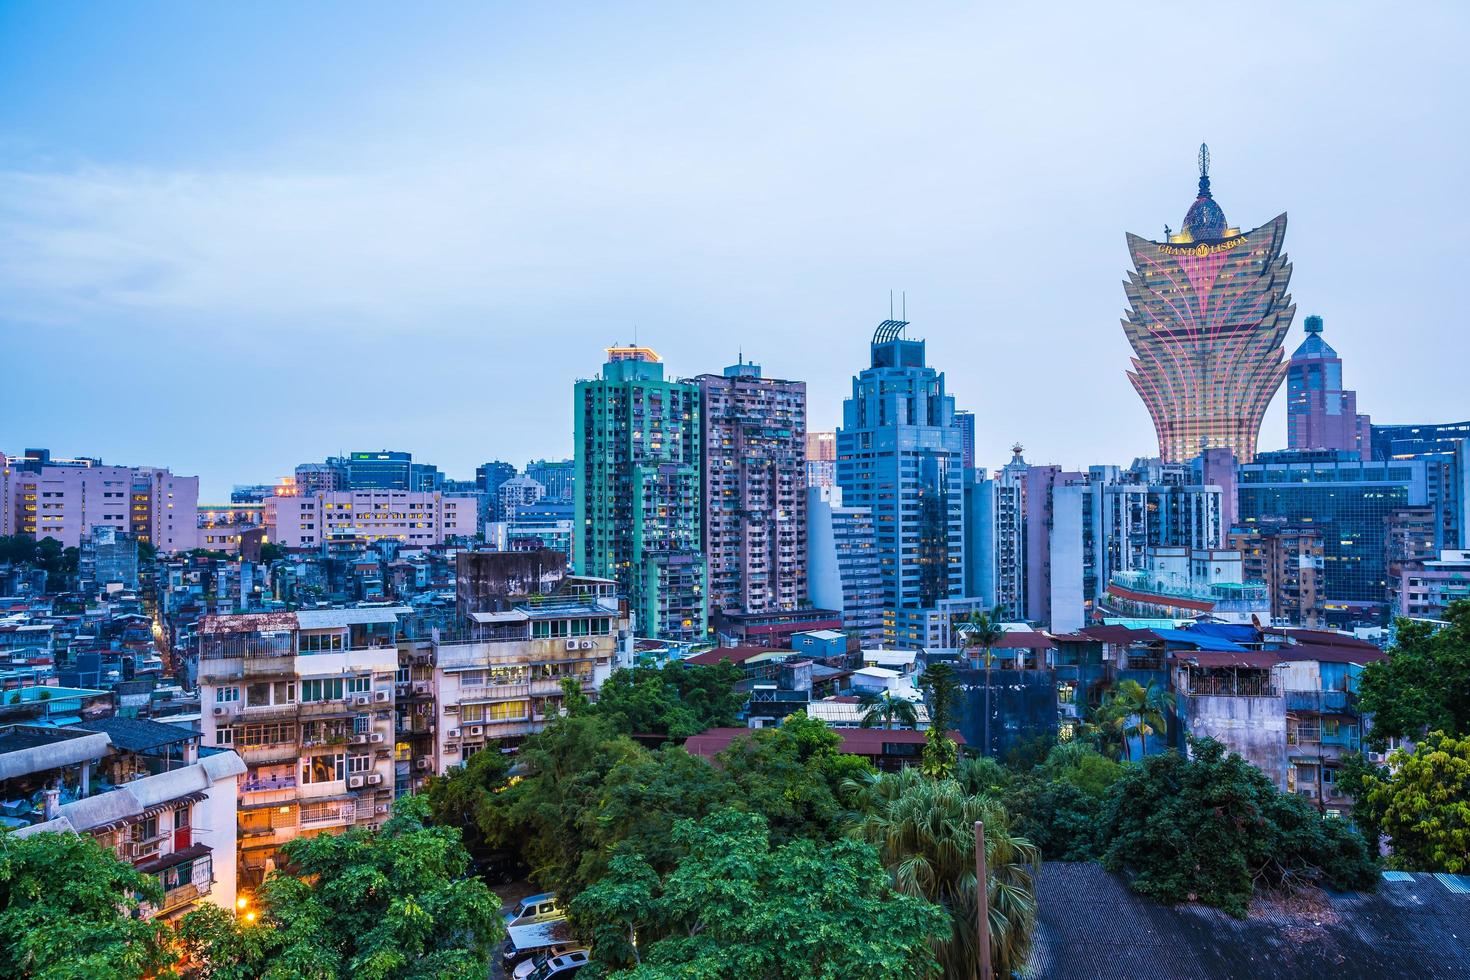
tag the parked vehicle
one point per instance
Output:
(533, 908)
(539, 958)
(561, 967)
(524, 942)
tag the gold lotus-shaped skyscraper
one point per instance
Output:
(1208, 313)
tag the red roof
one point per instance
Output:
(1229, 658)
(736, 655)
(1326, 638)
(855, 741)
(1025, 640)
(1332, 654)
(1120, 634)
(1168, 601)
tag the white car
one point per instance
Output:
(560, 967)
(524, 970)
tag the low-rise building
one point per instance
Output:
(312, 520)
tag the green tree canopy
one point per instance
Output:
(66, 911)
(1424, 685)
(736, 906)
(1208, 828)
(675, 701)
(394, 902)
(1422, 802)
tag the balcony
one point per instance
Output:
(268, 783)
(1323, 702)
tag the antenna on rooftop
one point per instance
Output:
(890, 304)
(905, 313)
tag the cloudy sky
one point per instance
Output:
(238, 237)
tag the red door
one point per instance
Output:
(182, 830)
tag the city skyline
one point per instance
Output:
(352, 211)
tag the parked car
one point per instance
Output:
(525, 942)
(539, 958)
(533, 908)
(560, 967)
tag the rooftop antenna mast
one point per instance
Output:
(905, 313)
(890, 304)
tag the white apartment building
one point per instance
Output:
(66, 502)
(313, 519)
(306, 699)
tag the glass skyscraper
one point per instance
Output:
(1208, 311)
(1350, 501)
(900, 455)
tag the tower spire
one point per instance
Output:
(1204, 169)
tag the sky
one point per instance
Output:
(238, 237)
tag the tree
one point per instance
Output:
(212, 944)
(67, 910)
(984, 631)
(883, 708)
(1145, 710)
(1422, 802)
(394, 902)
(924, 832)
(1213, 827)
(677, 701)
(791, 775)
(456, 798)
(270, 551)
(1424, 684)
(737, 906)
(1107, 726)
(940, 688)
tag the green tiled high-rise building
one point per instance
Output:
(638, 517)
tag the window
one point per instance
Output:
(226, 695)
(508, 711)
(471, 713)
(324, 768)
(322, 689)
(359, 764)
(362, 724)
(360, 685)
(224, 736)
(472, 678)
(320, 643)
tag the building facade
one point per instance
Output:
(1208, 311)
(1320, 412)
(67, 501)
(1350, 501)
(558, 476)
(754, 472)
(638, 514)
(1289, 559)
(320, 519)
(843, 568)
(900, 455)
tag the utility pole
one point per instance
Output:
(982, 901)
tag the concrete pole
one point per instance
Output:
(982, 901)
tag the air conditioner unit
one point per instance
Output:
(354, 782)
(421, 687)
(452, 748)
(374, 778)
(571, 644)
(359, 738)
(451, 733)
(421, 763)
(381, 808)
(380, 697)
(375, 737)
(363, 699)
(220, 709)
(476, 729)
(588, 644)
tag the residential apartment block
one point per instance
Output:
(66, 502)
(317, 519)
(754, 488)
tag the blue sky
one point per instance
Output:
(238, 237)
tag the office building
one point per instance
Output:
(1208, 311)
(842, 563)
(547, 524)
(1402, 441)
(1350, 501)
(65, 500)
(558, 476)
(964, 420)
(900, 455)
(381, 470)
(754, 444)
(639, 515)
(367, 516)
(1320, 412)
(994, 543)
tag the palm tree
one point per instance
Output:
(939, 686)
(984, 630)
(1147, 707)
(923, 830)
(883, 708)
(1106, 724)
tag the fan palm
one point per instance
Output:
(984, 630)
(884, 708)
(923, 830)
(1106, 725)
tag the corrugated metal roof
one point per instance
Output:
(318, 619)
(508, 616)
